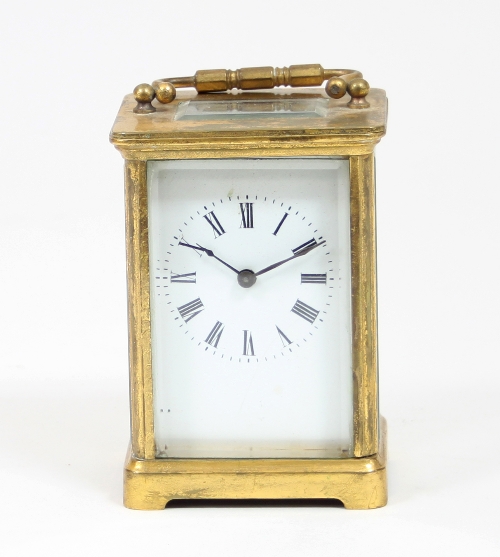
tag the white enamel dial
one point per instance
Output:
(250, 307)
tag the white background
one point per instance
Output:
(63, 381)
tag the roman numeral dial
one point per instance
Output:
(244, 278)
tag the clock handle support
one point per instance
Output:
(338, 83)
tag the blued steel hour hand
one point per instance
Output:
(210, 253)
(294, 256)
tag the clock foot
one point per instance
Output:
(139, 500)
(359, 483)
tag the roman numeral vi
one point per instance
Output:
(248, 344)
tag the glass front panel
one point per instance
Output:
(251, 307)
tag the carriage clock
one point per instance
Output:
(250, 223)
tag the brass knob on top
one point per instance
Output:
(165, 92)
(212, 81)
(358, 89)
(144, 95)
(336, 87)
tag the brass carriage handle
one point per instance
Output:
(211, 81)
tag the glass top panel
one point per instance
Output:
(196, 110)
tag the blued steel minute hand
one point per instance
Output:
(210, 253)
(294, 256)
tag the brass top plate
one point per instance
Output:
(335, 119)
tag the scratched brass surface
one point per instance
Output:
(157, 136)
(360, 483)
(141, 379)
(364, 304)
(221, 80)
(161, 136)
(267, 77)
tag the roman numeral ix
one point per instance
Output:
(306, 312)
(246, 215)
(188, 278)
(306, 278)
(214, 335)
(191, 309)
(213, 221)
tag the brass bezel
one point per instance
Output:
(360, 481)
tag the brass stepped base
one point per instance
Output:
(359, 483)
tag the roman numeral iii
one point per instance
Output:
(246, 215)
(306, 278)
(189, 278)
(306, 312)
(191, 309)
(213, 221)
(214, 335)
(248, 344)
(305, 245)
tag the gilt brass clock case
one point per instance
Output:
(301, 123)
